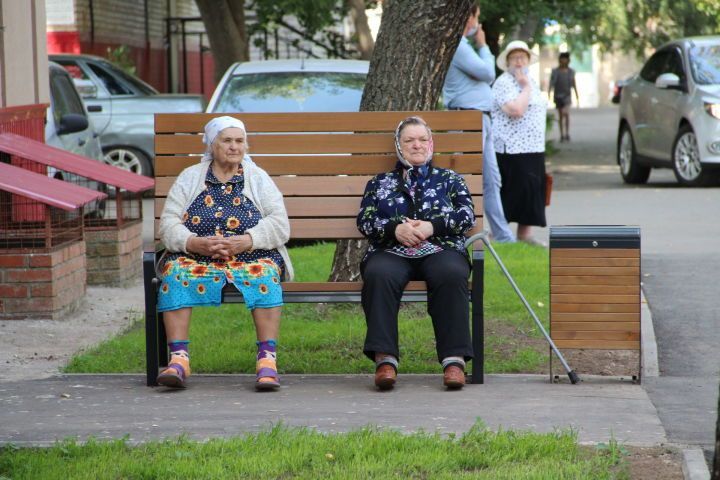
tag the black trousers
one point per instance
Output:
(446, 273)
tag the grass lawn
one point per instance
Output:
(328, 338)
(282, 453)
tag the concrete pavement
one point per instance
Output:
(80, 406)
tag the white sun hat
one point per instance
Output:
(515, 45)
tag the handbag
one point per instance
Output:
(548, 188)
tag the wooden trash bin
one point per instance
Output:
(595, 298)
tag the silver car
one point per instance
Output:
(297, 85)
(670, 114)
(68, 127)
(123, 109)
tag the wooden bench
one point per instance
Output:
(321, 162)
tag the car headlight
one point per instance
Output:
(713, 109)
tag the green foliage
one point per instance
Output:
(281, 452)
(632, 25)
(314, 17)
(328, 338)
(640, 25)
(121, 56)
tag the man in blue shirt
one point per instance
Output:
(467, 87)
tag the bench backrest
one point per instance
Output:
(322, 161)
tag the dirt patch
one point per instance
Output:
(617, 363)
(655, 463)
(32, 349)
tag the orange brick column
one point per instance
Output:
(42, 285)
(114, 256)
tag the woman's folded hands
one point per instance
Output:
(219, 247)
(412, 232)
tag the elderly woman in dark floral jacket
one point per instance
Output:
(415, 218)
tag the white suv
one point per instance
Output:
(670, 114)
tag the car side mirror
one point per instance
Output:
(72, 123)
(86, 88)
(668, 80)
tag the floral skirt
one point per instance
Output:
(190, 283)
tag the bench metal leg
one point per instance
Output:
(163, 356)
(151, 320)
(478, 319)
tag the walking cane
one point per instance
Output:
(574, 378)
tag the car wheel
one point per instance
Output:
(630, 169)
(686, 159)
(128, 159)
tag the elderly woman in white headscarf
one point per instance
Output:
(415, 218)
(224, 221)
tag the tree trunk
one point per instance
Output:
(414, 48)
(365, 42)
(224, 22)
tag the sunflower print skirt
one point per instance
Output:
(190, 283)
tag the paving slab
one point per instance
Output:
(39, 412)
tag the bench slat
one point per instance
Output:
(326, 164)
(338, 286)
(319, 186)
(321, 143)
(322, 206)
(321, 121)
(317, 228)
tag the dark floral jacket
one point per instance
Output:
(441, 197)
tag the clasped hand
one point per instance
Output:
(412, 232)
(220, 248)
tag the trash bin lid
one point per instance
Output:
(594, 236)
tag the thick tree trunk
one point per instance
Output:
(415, 44)
(365, 42)
(224, 22)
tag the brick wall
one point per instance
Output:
(114, 256)
(42, 285)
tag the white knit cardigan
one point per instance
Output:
(272, 231)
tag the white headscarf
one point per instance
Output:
(213, 129)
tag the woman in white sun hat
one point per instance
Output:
(518, 113)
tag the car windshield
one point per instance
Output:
(293, 92)
(140, 87)
(705, 64)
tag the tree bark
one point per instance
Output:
(365, 42)
(414, 48)
(224, 22)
